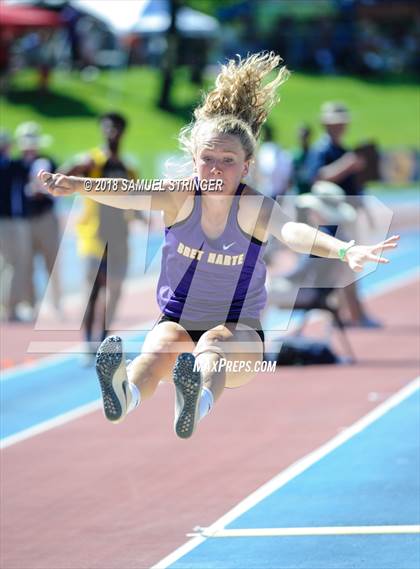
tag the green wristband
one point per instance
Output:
(342, 252)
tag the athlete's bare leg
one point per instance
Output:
(159, 352)
(168, 352)
(234, 344)
(225, 356)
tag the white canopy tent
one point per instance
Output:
(120, 16)
(148, 17)
(155, 18)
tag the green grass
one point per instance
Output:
(386, 112)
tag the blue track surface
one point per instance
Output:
(62, 386)
(342, 552)
(372, 479)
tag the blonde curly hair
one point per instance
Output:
(239, 104)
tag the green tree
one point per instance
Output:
(170, 58)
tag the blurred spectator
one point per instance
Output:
(15, 236)
(38, 50)
(344, 39)
(369, 37)
(329, 160)
(274, 166)
(46, 58)
(103, 231)
(92, 39)
(6, 40)
(325, 207)
(282, 38)
(43, 220)
(324, 56)
(272, 176)
(301, 182)
(70, 16)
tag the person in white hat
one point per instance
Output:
(29, 136)
(327, 201)
(325, 207)
(330, 161)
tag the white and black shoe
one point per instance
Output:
(188, 385)
(112, 374)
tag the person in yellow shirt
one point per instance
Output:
(102, 233)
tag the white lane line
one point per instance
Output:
(68, 352)
(42, 363)
(292, 471)
(51, 423)
(297, 531)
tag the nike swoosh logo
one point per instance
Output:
(226, 247)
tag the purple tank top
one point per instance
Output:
(211, 280)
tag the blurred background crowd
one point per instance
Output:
(365, 37)
(136, 67)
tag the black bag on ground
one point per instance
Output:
(297, 350)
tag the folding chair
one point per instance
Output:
(325, 299)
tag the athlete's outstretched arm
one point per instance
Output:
(303, 238)
(114, 192)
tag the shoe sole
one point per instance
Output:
(188, 384)
(111, 375)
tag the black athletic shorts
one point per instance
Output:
(191, 327)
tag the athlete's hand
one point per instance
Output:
(58, 184)
(357, 256)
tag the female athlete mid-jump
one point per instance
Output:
(211, 289)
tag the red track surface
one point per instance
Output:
(16, 337)
(93, 495)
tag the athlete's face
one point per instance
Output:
(221, 156)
